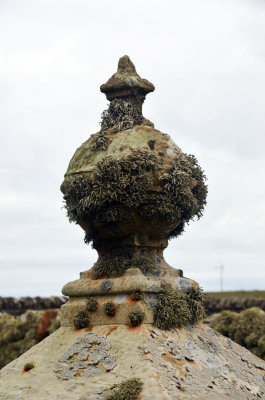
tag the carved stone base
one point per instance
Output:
(120, 291)
(193, 363)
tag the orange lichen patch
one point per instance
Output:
(101, 367)
(179, 364)
(102, 330)
(89, 328)
(73, 357)
(131, 301)
(134, 328)
(79, 372)
(232, 383)
(44, 322)
(58, 372)
(111, 329)
(260, 369)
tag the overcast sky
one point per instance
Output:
(207, 61)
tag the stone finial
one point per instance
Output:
(131, 189)
(126, 82)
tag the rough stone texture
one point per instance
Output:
(191, 363)
(88, 356)
(123, 305)
(183, 284)
(125, 81)
(106, 285)
(120, 291)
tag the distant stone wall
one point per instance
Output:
(14, 306)
(214, 305)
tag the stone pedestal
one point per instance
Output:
(120, 292)
(190, 363)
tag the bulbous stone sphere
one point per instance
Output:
(135, 183)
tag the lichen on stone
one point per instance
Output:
(123, 113)
(114, 264)
(91, 305)
(136, 317)
(127, 390)
(183, 196)
(175, 308)
(106, 285)
(171, 310)
(100, 141)
(28, 366)
(151, 144)
(109, 309)
(81, 320)
(121, 184)
(75, 188)
(87, 356)
(195, 301)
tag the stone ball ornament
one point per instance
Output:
(129, 186)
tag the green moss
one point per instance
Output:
(123, 113)
(176, 308)
(171, 310)
(127, 390)
(246, 328)
(81, 320)
(91, 305)
(195, 302)
(110, 308)
(29, 366)
(136, 317)
(115, 263)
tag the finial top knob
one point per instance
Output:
(126, 82)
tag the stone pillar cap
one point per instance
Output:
(126, 82)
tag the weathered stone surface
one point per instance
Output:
(189, 364)
(125, 81)
(120, 291)
(88, 356)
